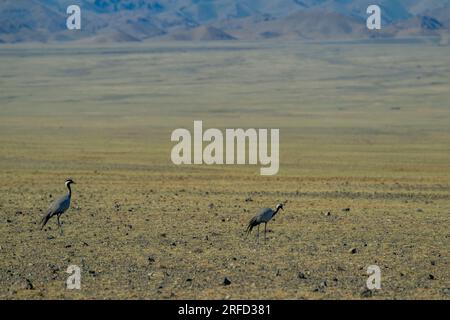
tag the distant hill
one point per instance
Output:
(305, 24)
(201, 33)
(197, 20)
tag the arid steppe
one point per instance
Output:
(364, 170)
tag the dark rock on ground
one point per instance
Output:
(226, 281)
(366, 293)
(23, 284)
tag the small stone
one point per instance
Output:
(321, 287)
(301, 275)
(226, 281)
(353, 251)
(328, 213)
(366, 293)
(53, 268)
(23, 284)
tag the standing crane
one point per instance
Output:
(264, 216)
(59, 207)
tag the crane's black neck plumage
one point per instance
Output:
(275, 212)
(70, 190)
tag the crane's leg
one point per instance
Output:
(59, 224)
(257, 235)
(265, 230)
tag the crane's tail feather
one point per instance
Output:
(253, 223)
(45, 219)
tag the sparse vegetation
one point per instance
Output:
(364, 168)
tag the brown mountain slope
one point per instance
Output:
(202, 33)
(308, 25)
(26, 20)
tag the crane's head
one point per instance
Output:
(280, 206)
(69, 182)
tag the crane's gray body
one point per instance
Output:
(59, 206)
(264, 215)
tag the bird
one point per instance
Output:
(58, 207)
(264, 216)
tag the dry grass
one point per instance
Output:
(363, 127)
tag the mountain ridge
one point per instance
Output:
(198, 20)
